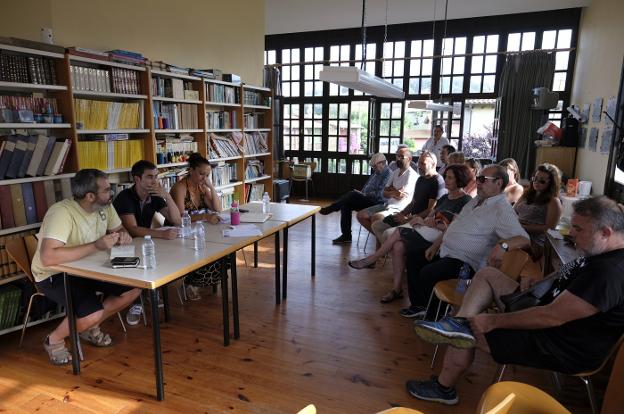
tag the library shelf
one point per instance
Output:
(19, 86)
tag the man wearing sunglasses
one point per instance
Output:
(483, 231)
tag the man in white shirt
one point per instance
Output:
(435, 144)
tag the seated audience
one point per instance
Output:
(136, 207)
(513, 190)
(579, 322)
(436, 143)
(539, 208)
(195, 193)
(429, 187)
(474, 166)
(393, 165)
(371, 195)
(72, 229)
(483, 231)
(456, 157)
(398, 192)
(421, 231)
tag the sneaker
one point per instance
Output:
(432, 391)
(448, 330)
(133, 316)
(325, 211)
(417, 312)
(342, 239)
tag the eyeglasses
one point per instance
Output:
(482, 178)
(542, 181)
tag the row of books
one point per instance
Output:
(10, 304)
(116, 80)
(109, 154)
(171, 176)
(32, 155)
(224, 173)
(222, 93)
(173, 88)
(256, 98)
(27, 69)
(117, 188)
(176, 145)
(253, 120)
(36, 104)
(222, 147)
(227, 195)
(221, 120)
(253, 192)
(175, 116)
(255, 143)
(92, 114)
(254, 169)
(27, 203)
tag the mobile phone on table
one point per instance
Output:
(121, 262)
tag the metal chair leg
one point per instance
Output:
(366, 242)
(27, 316)
(123, 325)
(501, 373)
(591, 394)
(435, 351)
(357, 244)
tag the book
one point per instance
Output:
(21, 144)
(66, 188)
(57, 157)
(6, 207)
(41, 142)
(29, 203)
(46, 156)
(17, 200)
(50, 194)
(30, 148)
(41, 205)
(6, 153)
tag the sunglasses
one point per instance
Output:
(535, 180)
(482, 178)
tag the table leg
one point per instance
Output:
(71, 319)
(160, 387)
(234, 295)
(224, 302)
(256, 254)
(285, 264)
(313, 263)
(278, 293)
(165, 297)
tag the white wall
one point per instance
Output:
(291, 16)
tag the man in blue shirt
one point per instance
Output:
(356, 200)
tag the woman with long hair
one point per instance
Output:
(539, 208)
(419, 232)
(514, 190)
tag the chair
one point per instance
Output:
(400, 410)
(302, 172)
(518, 398)
(308, 409)
(358, 238)
(614, 397)
(446, 292)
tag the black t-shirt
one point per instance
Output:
(599, 281)
(128, 202)
(426, 189)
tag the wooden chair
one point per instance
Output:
(446, 292)
(614, 397)
(400, 410)
(518, 398)
(302, 172)
(308, 409)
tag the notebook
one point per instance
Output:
(254, 217)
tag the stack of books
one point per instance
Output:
(222, 93)
(92, 114)
(32, 155)
(127, 57)
(222, 147)
(175, 116)
(255, 143)
(224, 174)
(221, 120)
(27, 69)
(108, 152)
(255, 168)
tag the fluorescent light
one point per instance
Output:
(431, 106)
(355, 78)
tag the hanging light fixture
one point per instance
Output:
(357, 78)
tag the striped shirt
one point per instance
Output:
(375, 185)
(476, 230)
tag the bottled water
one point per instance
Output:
(186, 224)
(199, 241)
(149, 252)
(266, 203)
(464, 278)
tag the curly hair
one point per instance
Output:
(554, 182)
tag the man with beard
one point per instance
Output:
(72, 229)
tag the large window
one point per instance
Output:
(338, 127)
(312, 126)
(451, 67)
(390, 122)
(313, 64)
(290, 73)
(483, 64)
(291, 127)
(339, 56)
(421, 67)
(393, 63)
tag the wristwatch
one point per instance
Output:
(504, 246)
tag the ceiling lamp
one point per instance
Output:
(430, 106)
(360, 80)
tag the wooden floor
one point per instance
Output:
(330, 343)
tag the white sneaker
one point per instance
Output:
(133, 317)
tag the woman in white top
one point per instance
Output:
(435, 143)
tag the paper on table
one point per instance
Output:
(555, 234)
(242, 230)
(122, 251)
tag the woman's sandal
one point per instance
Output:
(361, 264)
(96, 337)
(57, 353)
(391, 296)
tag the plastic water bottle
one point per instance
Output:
(234, 214)
(464, 278)
(266, 203)
(186, 224)
(149, 252)
(199, 241)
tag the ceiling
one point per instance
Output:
(292, 16)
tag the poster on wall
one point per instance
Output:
(585, 112)
(593, 139)
(582, 137)
(607, 133)
(597, 113)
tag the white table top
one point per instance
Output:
(290, 213)
(214, 233)
(174, 258)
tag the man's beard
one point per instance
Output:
(101, 206)
(401, 163)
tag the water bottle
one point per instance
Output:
(149, 252)
(463, 279)
(234, 214)
(199, 241)
(186, 224)
(266, 203)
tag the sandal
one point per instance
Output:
(96, 337)
(192, 293)
(57, 353)
(391, 296)
(361, 264)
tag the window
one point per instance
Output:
(269, 57)
(416, 128)
(338, 127)
(452, 68)
(483, 64)
(370, 64)
(358, 128)
(313, 64)
(517, 42)
(392, 69)
(452, 126)
(478, 127)
(290, 73)
(312, 126)
(291, 127)
(559, 39)
(421, 67)
(339, 56)
(390, 127)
